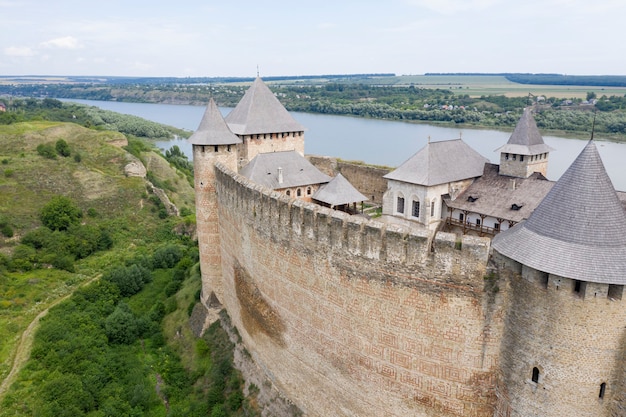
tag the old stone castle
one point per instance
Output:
(482, 290)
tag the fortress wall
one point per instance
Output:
(352, 317)
(365, 178)
(574, 339)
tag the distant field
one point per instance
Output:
(472, 85)
(479, 85)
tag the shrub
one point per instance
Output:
(130, 280)
(62, 148)
(8, 173)
(60, 213)
(47, 151)
(167, 256)
(6, 229)
(121, 326)
(64, 262)
(77, 157)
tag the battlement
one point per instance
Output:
(294, 222)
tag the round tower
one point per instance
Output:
(212, 142)
(564, 334)
(525, 153)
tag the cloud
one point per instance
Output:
(20, 51)
(66, 42)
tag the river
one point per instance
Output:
(380, 142)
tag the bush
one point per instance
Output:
(62, 148)
(167, 256)
(121, 326)
(47, 151)
(60, 213)
(130, 280)
(77, 157)
(6, 229)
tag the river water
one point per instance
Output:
(380, 142)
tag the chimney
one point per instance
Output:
(280, 175)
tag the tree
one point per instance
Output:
(60, 213)
(121, 326)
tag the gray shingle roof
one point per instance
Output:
(337, 192)
(494, 194)
(440, 162)
(259, 111)
(297, 171)
(578, 231)
(213, 129)
(525, 139)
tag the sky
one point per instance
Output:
(181, 38)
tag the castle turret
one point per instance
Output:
(263, 124)
(564, 332)
(525, 152)
(212, 142)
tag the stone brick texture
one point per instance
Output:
(352, 317)
(365, 178)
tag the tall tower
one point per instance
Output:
(563, 345)
(212, 142)
(263, 124)
(525, 152)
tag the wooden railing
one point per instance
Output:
(481, 229)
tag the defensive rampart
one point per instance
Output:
(349, 316)
(367, 179)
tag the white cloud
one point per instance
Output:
(66, 42)
(19, 51)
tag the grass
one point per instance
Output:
(97, 184)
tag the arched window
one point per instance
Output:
(415, 209)
(308, 190)
(288, 192)
(535, 377)
(602, 390)
(400, 205)
(298, 192)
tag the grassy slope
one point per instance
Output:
(27, 181)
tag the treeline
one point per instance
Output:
(381, 102)
(560, 79)
(31, 109)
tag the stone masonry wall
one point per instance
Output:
(350, 317)
(575, 340)
(365, 178)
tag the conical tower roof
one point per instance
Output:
(259, 111)
(213, 129)
(525, 139)
(578, 231)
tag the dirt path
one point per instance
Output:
(22, 353)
